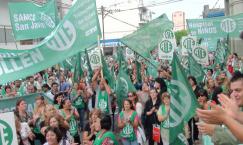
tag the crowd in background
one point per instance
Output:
(87, 111)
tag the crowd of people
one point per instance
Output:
(86, 112)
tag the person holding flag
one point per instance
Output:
(103, 101)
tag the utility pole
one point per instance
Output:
(103, 24)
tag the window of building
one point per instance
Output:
(108, 51)
(26, 42)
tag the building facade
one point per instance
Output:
(7, 40)
(179, 21)
(233, 7)
(215, 12)
(118, 18)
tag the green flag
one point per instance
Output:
(69, 63)
(227, 47)
(138, 71)
(77, 30)
(216, 27)
(195, 69)
(222, 53)
(183, 103)
(8, 53)
(123, 86)
(90, 71)
(31, 21)
(121, 60)
(219, 57)
(147, 37)
(152, 68)
(107, 73)
(78, 71)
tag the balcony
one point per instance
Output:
(7, 40)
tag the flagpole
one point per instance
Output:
(101, 70)
(145, 59)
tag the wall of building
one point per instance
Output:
(236, 7)
(178, 19)
(6, 37)
(215, 12)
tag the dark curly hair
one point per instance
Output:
(56, 131)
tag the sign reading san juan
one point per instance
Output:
(31, 21)
(77, 31)
(216, 27)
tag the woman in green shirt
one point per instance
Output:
(71, 115)
(104, 136)
(128, 123)
(57, 100)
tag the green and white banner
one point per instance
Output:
(8, 134)
(76, 32)
(31, 21)
(95, 58)
(124, 85)
(8, 104)
(200, 54)
(195, 69)
(216, 27)
(210, 43)
(187, 43)
(183, 103)
(168, 34)
(166, 49)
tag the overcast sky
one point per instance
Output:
(192, 8)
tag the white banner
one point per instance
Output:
(200, 54)
(8, 134)
(187, 43)
(166, 49)
(95, 58)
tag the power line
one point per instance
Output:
(122, 21)
(152, 5)
(215, 4)
(120, 31)
(59, 3)
(65, 5)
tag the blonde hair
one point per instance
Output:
(40, 109)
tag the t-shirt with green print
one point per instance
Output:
(79, 103)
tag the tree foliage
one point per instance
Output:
(179, 35)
